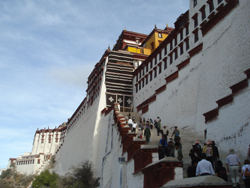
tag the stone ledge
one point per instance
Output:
(200, 181)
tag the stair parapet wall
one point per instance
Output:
(134, 146)
(157, 174)
(143, 158)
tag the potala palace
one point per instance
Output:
(194, 76)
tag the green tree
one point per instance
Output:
(12, 179)
(45, 179)
(80, 177)
(6, 174)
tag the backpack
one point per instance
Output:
(223, 174)
(247, 173)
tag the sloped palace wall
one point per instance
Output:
(212, 66)
(82, 138)
(182, 97)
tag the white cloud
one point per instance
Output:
(75, 75)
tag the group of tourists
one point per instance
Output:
(206, 162)
(211, 151)
(170, 148)
(145, 127)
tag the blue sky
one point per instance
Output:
(48, 49)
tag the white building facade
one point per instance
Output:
(45, 144)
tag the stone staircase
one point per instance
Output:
(137, 148)
(187, 134)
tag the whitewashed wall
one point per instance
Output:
(80, 143)
(232, 127)
(45, 147)
(208, 76)
(225, 57)
(110, 149)
(29, 168)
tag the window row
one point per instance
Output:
(204, 10)
(160, 66)
(49, 140)
(25, 162)
(178, 51)
(210, 2)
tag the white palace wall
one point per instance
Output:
(80, 143)
(29, 164)
(177, 105)
(225, 57)
(220, 64)
(232, 127)
(45, 146)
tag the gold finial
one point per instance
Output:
(125, 29)
(167, 24)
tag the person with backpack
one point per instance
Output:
(221, 171)
(245, 171)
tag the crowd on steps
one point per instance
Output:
(205, 161)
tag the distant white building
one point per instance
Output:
(45, 144)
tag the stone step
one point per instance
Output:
(188, 137)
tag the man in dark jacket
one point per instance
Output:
(169, 148)
(147, 134)
(221, 171)
(195, 152)
(216, 155)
